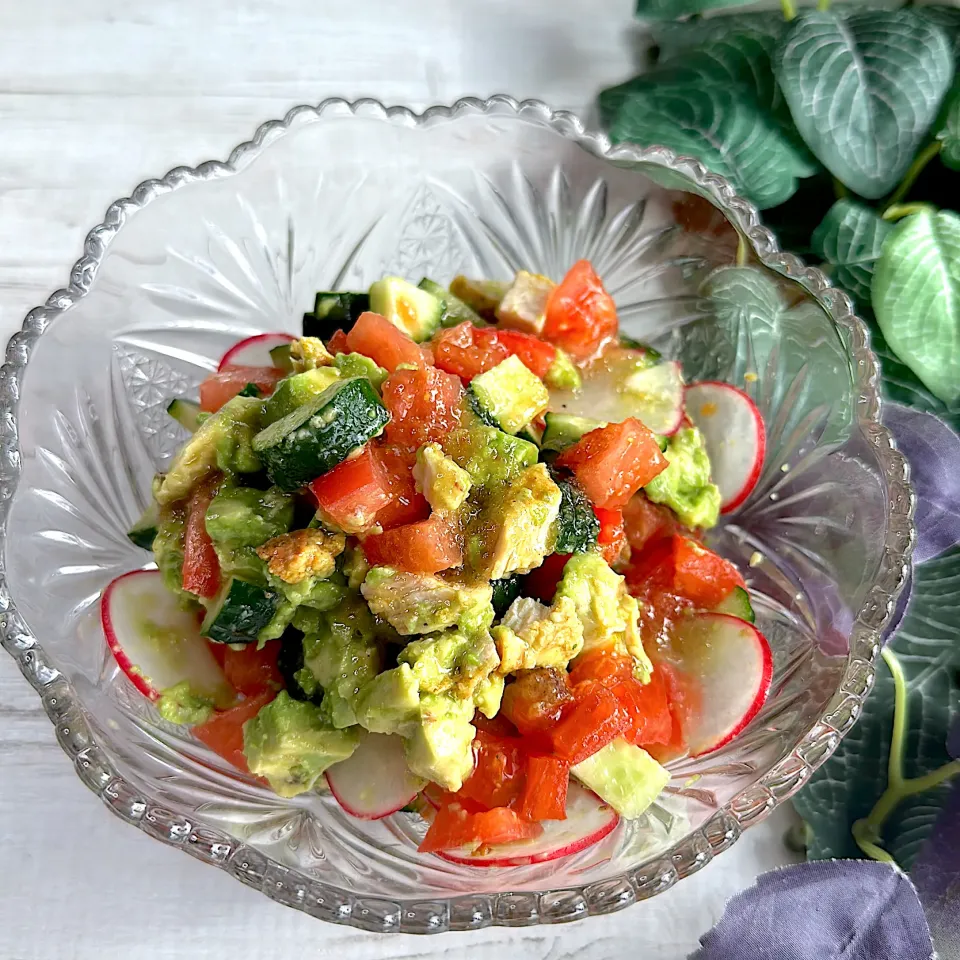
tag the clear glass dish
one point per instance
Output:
(336, 196)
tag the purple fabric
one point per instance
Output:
(933, 450)
(824, 910)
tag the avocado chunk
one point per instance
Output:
(444, 485)
(624, 776)
(482, 296)
(562, 374)
(296, 390)
(168, 553)
(532, 635)
(510, 394)
(184, 705)
(451, 662)
(390, 702)
(562, 430)
(290, 744)
(441, 745)
(357, 365)
(414, 311)
(685, 485)
(489, 455)
(247, 517)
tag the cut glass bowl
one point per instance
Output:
(334, 197)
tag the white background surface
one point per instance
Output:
(94, 97)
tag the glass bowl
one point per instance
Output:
(333, 197)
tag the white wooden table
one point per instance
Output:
(94, 97)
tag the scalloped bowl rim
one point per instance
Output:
(507, 908)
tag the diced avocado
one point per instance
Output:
(221, 442)
(334, 311)
(280, 357)
(239, 612)
(737, 604)
(357, 365)
(390, 702)
(483, 296)
(144, 531)
(624, 776)
(444, 484)
(182, 704)
(355, 565)
(296, 390)
(490, 456)
(423, 603)
(440, 747)
(608, 613)
(532, 635)
(562, 430)
(289, 743)
(455, 311)
(319, 435)
(524, 303)
(577, 524)
(300, 682)
(309, 353)
(247, 517)
(517, 527)
(510, 394)
(563, 374)
(489, 694)
(451, 661)
(186, 412)
(414, 311)
(685, 485)
(504, 593)
(168, 553)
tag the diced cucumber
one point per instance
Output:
(455, 311)
(504, 593)
(240, 612)
(296, 390)
(144, 531)
(317, 436)
(280, 357)
(531, 433)
(185, 412)
(300, 682)
(334, 311)
(414, 311)
(250, 390)
(481, 413)
(654, 356)
(624, 776)
(737, 604)
(511, 394)
(483, 296)
(562, 430)
(577, 524)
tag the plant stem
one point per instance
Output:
(839, 189)
(789, 8)
(743, 251)
(897, 211)
(914, 171)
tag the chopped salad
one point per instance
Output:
(443, 553)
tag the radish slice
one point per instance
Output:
(156, 643)
(254, 351)
(658, 394)
(374, 781)
(588, 821)
(733, 431)
(731, 664)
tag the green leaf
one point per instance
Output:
(948, 130)
(948, 18)
(850, 238)
(671, 9)
(674, 38)
(847, 786)
(710, 105)
(864, 89)
(916, 298)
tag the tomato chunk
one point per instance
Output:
(424, 406)
(338, 343)
(377, 338)
(223, 733)
(612, 537)
(612, 463)
(467, 351)
(541, 583)
(498, 777)
(581, 315)
(589, 726)
(352, 493)
(684, 702)
(536, 355)
(647, 708)
(600, 666)
(645, 521)
(251, 671)
(536, 699)
(454, 826)
(545, 792)
(220, 387)
(406, 505)
(427, 546)
(201, 567)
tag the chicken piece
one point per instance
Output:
(524, 305)
(308, 353)
(532, 635)
(302, 554)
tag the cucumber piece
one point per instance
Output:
(186, 413)
(357, 365)
(481, 413)
(280, 357)
(300, 682)
(483, 296)
(455, 311)
(144, 531)
(250, 390)
(531, 433)
(562, 430)
(317, 436)
(414, 311)
(296, 390)
(577, 525)
(737, 605)
(504, 593)
(240, 612)
(510, 394)
(630, 344)
(334, 311)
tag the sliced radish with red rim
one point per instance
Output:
(254, 351)
(734, 435)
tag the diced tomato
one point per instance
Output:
(545, 791)
(406, 505)
(536, 699)
(499, 726)
(645, 521)
(647, 708)
(498, 776)
(377, 338)
(612, 463)
(424, 406)
(251, 671)
(223, 733)
(596, 720)
(537, 355)
(354, 491)
(201, 568)
(427, 546)
(468, 351)
(581, 315)
(220, 387)
(454, 826)
(541, 583)
(601, 666)
(219, 651)
(651, 569)
(338, 343)
(684, 701)
(612, 537)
